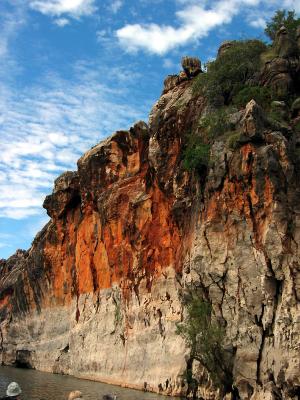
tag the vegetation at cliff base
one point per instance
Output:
(205, 339)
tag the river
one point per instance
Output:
(44, 386)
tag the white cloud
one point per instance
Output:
(4, 245)
(193, 22)
(258, 23)
(10, 23)
(170, 64)
(61, 22)
(58, 139)
(56, 8)
(289, 5)
(116, 5)
(44, 130)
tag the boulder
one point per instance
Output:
(280, 109)
(170, 82)
(65, 195)
(277, 74)
(225, 46)
(191, 66)
(253, 121)
(296, 108)
(284, 45)
(282, 67)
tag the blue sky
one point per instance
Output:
(74, 71)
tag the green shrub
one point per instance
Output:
(196, 154)
(118, 311)
(230, 71)
(268, 55)
(262, 96)
(205, 340)
(233, 139)
(282, 17)
(216, 123)
(297, 127)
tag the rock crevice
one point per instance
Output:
(99, 293)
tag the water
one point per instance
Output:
(43, 386)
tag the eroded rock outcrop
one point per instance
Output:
(191, 66)
(99, 293)
(281, 71)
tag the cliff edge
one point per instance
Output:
(101, 291)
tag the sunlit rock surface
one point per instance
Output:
(98, 295)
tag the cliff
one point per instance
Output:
(100, 292)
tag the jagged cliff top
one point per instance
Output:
(205, 196)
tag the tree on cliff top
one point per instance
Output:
(283, 17)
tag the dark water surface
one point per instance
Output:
(43, 386)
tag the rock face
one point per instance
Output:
(281, 72)
(225, 46)
(99, 293)
(97, 296)
(284, 45)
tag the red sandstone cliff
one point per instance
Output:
(98, 294)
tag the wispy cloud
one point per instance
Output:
(11, 20)
(74, 8)
(193, 22)
(44, 130)
(116, 5)
(64, 10)
(5, 240)
(62, 22)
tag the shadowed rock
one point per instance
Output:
(65, 194)
(109, 397)
(284, 45)
(298, 37)
(280, 75)
(296, 108)
(281, 71)
(225, 46)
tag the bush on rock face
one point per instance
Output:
(262, 96)
(228, 74)
(205, 339)
(216, 123)
(196, 154)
